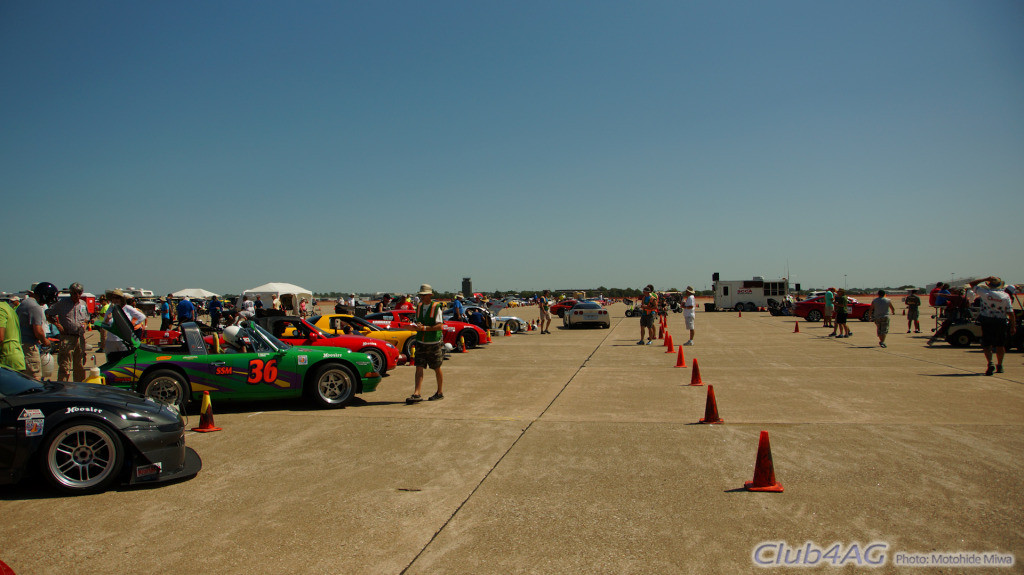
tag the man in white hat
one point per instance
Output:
(460, 309)
(690, 313)
(429, 344)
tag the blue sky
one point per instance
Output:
(378, 145)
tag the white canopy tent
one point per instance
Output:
(289, 294)
(197, 293)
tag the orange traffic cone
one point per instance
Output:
(740, 314)
(695, 375)
(796, 326)
(661, 331)
(680, 359)
(669, 348)
(764, 469)
(206, 416)
(711, 408)
(461, 345)
(508, 332)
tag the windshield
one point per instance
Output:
(13, 382)
(263, 341)
(587, 305)
(360, 323)
(335, 323)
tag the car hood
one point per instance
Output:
(121, 327)
(93, 392)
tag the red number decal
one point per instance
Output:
(270, 371)
(260, 372)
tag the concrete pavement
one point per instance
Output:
(578, 452)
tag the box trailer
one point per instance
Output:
(748, 295)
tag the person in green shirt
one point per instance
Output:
(11, 354)
(429, 345)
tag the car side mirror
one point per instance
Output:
(314, 335)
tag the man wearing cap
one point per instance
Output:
(11, 354)
(913, 303)
(136, 318)
(166, 313)
(996, 319)
(429, 344)
(216, 309)
(690, 313)
(384, 304)
(70, 316)
(460, 310)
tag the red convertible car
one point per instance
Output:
(472, 335)
(297, 331)
(563, 306)
(813, 309)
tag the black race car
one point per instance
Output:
(83, 438)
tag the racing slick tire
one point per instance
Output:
(471, 339)
(407, 348)
(513, 326)
(814, 315)
(380, 362)
(866, 316)
(166, 386)
(82, 456)
(334, 385)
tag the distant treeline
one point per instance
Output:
(604, 291)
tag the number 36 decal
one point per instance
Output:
(262, 372)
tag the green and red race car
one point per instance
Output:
(260, 367)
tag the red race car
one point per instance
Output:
(813, 309)
(472, 335)
(563, 306)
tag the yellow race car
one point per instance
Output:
(336, 323)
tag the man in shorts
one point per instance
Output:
(71, 317)
(881, 307)
(690, 313)
(648, 310)
(33, 326)
(544, 303)
(913, 304)
(839, 327)
(996, 319)
(429, 344)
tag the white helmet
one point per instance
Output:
(231, 334)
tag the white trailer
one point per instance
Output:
(748, 295)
